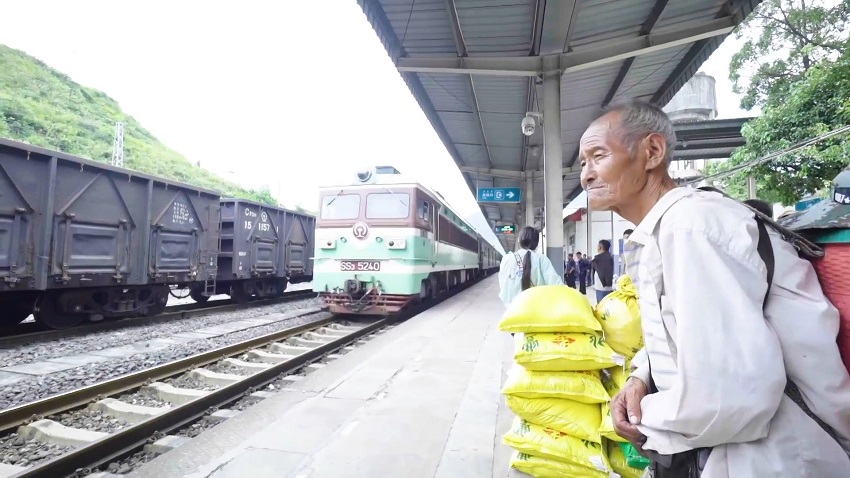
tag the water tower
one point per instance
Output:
(696, 101)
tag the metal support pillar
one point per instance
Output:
(751, 188)
(529, 202)
(553, 160)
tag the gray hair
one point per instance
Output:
(638, 119)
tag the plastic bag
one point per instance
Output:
(547, 443)
(584, 387)
(545, 468)
(564, 352)
(618, 462)
(549, 308)
(633, 458)
(619, 315)
(580, 420)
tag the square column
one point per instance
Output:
(529, 202)
(553, 170)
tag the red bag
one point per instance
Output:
(834, 274)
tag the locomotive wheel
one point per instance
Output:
(46, 311)
(238, 294)
(198, 296)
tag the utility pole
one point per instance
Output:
(118, 146)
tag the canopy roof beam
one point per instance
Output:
(573, 61)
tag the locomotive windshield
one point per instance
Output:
(341, 206)
(387, 205)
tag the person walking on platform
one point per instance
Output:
(603, 270)
(737, 379)
(571, 273)
(525, 268)
(583, 266)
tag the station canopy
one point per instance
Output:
(475, 68)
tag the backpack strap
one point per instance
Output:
(765, 250)
(805, 247)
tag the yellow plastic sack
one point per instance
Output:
(619, 315)
(545, 468)
(613, 379)
(564, 352)
(580, 420)
(549, 308)
(541, 442)
(584, 387)
(617, 459)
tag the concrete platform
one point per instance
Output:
(421, 400)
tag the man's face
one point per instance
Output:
(610, 173)
(626, 237)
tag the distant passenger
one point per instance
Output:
(763, 207)
(626, 248)
(525, 268)
(603, 270)
(583, 272)
(571, 271)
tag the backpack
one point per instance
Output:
(805, 249)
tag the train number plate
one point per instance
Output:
(360, 266)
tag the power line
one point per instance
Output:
(772, 156)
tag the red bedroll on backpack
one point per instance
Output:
(834, 274)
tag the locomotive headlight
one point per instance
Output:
(329, 244)
(397, 244)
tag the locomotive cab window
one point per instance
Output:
(388, 206)
(341, 206)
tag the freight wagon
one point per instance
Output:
(82, 240)
(386, 240)
(263, 248)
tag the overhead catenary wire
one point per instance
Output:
(772, 156)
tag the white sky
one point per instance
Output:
(291, 94)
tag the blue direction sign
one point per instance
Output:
(499, 194)
(806, 203)
(507, 229)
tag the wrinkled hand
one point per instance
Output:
(625, 412)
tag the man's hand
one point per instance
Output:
(625, 412)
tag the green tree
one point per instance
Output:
(814, 105)
(783, 40)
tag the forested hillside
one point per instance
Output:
(44, 107)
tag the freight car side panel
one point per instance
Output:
(21, 193)
(182, 227)
(96, 219)
(300, 237)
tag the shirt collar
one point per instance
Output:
(644, 230)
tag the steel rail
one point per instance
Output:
(61, 402)
(181, 311)
(127, 440)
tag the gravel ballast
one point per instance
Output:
(92, 420)
(138, 333)
(16, 450)
(39, 387)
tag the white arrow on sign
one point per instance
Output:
(510, 194)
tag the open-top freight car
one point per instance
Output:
(263, 248)
(387, 240)
(83, 240)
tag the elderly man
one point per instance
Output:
(709, 392)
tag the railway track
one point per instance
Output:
(259, 361)
(32, 332)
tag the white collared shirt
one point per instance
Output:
(720, 366)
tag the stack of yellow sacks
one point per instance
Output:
(619, 315)
(556, 388)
